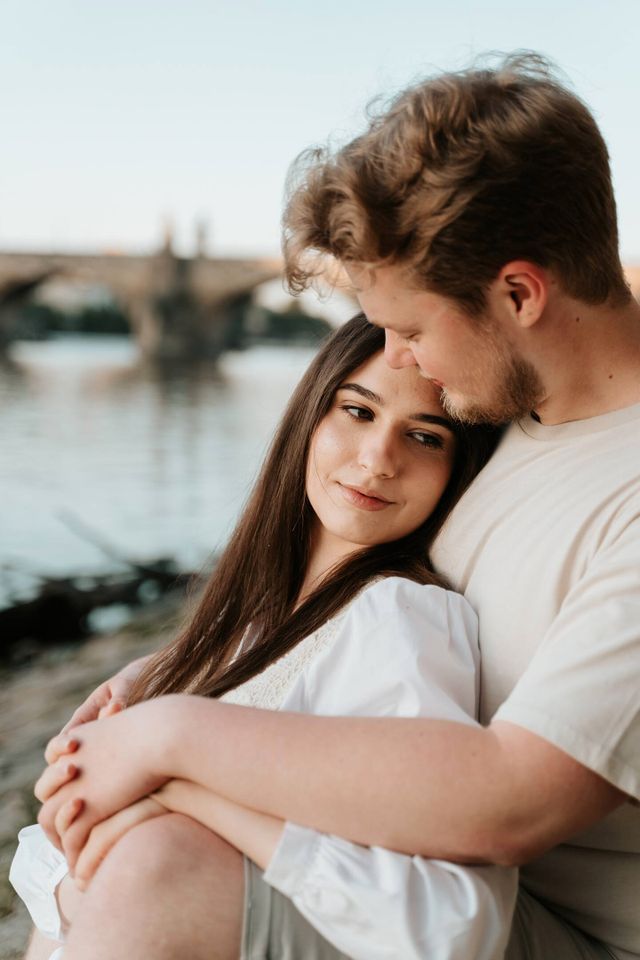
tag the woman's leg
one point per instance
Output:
(169, 889)
(69, 899)
(40, 947)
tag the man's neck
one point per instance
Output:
(589, 357)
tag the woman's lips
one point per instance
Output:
(363, 500)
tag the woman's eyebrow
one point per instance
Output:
(367, 394)
(434, 418)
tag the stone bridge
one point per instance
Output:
(177, 306)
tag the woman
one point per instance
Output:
(325, 601)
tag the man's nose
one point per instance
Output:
(397, 352)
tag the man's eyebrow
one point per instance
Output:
(421, 417)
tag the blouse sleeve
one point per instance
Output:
(403, 650)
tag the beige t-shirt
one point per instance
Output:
(545, 545)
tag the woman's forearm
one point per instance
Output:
(254, 834)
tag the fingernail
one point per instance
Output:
(71, 769)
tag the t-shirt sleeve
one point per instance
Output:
(403, 650)
(581, 690)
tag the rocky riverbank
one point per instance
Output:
(35, 702)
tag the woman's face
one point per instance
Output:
(380, 459)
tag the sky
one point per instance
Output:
(121, 116)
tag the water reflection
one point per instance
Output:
(156, 462)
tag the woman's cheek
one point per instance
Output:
(331, 447)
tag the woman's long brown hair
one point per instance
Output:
(259, 576)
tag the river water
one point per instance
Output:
(97, 448)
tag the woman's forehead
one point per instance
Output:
(398, 386)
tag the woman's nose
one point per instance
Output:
(378, 454)
(397, 352)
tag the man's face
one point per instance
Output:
(482, 376)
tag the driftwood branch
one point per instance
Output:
(61, 606)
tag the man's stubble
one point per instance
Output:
(506, 388)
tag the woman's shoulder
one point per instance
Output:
(413, 619)
(402, 649)
(400, 596)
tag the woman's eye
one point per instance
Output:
(358, 413)
(433, 440)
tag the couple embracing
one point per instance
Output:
(416, 666)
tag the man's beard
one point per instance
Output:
(515, 390)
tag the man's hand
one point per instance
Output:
(107, 699)
(115, 762)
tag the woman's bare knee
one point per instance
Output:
(162, 848)
(168, 859)
(167, 885)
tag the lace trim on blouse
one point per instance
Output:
(269, 688)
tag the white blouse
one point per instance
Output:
(398, 649)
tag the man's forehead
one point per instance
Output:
(385, 322)
(386, 282)
(359, 276)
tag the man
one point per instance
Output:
(476, 219)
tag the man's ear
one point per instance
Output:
(526, 285)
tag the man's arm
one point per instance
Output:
(431, 787)
(502, 794)
(436, 788)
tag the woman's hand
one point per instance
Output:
(109, 698)
(104, 835)
(115, 762)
